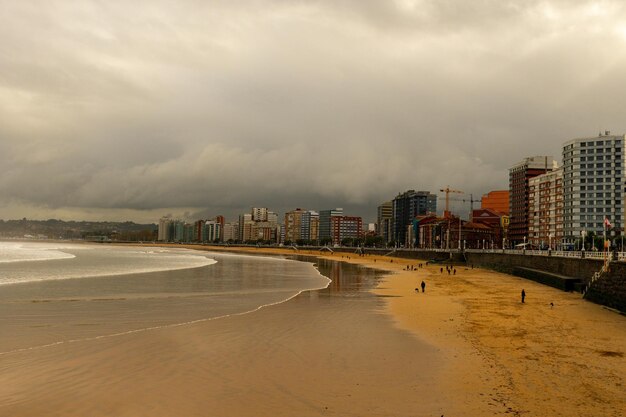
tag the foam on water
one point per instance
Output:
(22, 262)
(23, 252)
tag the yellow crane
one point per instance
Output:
(448, 190)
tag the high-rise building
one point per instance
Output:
(496, 200)
(593, 185)
(519, 174)
(293, 225)
(259, 214)
(384, 221)
(345, 227)
(310, 226)
(245, 227)
(163, 234)
(230, 232)
(213, 230)
(259, 224)
(221, 220)
(325, 223)
(405, 207)
(545, 209)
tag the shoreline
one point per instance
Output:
(327, 352)
(556, 354)
(465, 346)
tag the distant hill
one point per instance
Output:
(59, 229)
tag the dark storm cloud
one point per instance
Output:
(132, 109)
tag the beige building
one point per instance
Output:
(293, 225)
(545, 209)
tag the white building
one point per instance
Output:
(593, 184)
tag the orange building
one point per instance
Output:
(496, 200)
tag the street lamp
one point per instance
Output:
(550, 236)
(583, 234)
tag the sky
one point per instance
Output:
(132, 110)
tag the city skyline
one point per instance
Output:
(117, 111)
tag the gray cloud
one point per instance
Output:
(132, 109)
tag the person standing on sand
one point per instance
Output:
(423, 286)
(523, 295)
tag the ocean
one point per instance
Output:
(53, 293)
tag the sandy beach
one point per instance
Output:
(467, 346)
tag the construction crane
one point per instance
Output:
(448, 190)
(472, 201)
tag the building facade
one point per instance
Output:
(346, 227)
(545, 210)
(496, 200)
(384, 221)
(593, 186)
(293, 225)
(325, 223)
(519, 175)
(405, 207)
(310, 226)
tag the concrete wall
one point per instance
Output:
(569, 267)
(611, 289)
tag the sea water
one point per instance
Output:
(53, 293)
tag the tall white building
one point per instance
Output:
(593, 185)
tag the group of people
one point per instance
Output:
(413, 267)
(449, 269)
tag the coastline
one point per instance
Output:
(327, 352)
(467, 346)
(562, 359)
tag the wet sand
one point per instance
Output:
(465, 347)
(502, 356)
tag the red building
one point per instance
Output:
(443, 233)
(496, 200)
(496, 221)
(519, 175)
(345, 227)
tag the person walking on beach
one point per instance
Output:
(423, 286)
(523, 295)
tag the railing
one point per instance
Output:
(621, 256)
(596, 276)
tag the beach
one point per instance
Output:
(368, 345)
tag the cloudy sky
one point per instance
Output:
(129, 110)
